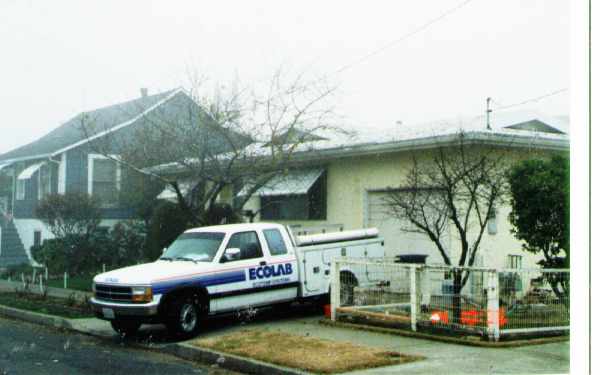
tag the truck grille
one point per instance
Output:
(113, 293)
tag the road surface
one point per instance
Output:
(31, 349)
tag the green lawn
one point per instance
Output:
(83, 283)
(49, 305)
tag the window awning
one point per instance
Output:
(4, 165)
(169, 193)
(29, 171)
(295, 182)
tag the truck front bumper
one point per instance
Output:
(110, 310)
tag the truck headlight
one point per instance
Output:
(141, 294)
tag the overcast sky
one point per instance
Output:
(59, 58)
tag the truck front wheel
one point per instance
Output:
(184, 316)
(125, 328)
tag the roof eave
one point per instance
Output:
(479, 137)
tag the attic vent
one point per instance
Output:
(144, 92)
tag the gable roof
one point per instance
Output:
(104, 119)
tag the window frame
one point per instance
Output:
(42, 194)
(223, 259)
(20, 188)
(315, 201)
(266, 237)
(515, 261)
(90, 170)
(37, 237)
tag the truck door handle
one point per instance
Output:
(262, 263)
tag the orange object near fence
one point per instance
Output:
(469, 317)
(439, 317)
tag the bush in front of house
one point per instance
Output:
(166, 224)
(81, 246)
(69, 214)
(120, 246)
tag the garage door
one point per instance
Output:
(398, 242)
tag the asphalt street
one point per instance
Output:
(31, 349)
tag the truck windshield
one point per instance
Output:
(198, 247)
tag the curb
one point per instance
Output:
(37, 318)
(228, 361)
(182, 350)
(449, 340)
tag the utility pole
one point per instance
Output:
(487, 113)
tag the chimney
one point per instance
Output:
(144, 92)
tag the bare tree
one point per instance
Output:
(204, 146)
(453, 187)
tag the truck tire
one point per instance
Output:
(185, 315)
(125, 327)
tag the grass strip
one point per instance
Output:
(81, 283)
(46, 305)
(304, 353)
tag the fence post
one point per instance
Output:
(103, 267)
(66, 276)
(425, 286)
(46, 273)
(413, 297)
(493, 307)
(335, 288)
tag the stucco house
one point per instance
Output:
(65, 161)
(344, 183)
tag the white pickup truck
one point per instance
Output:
(227, 268)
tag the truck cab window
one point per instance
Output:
(248, 244)
(275, 242)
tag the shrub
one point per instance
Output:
(85, 254)
(166, 224)
(69, 214)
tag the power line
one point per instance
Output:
(532, 99)
(404, 37)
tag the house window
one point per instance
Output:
(104, 176)
(37, 238)
(308, 206)
(20, 190)
(515, 261)
(492, 224)
(44, 181)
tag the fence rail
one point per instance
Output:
(485, 301)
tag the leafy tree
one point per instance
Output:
(540, 213)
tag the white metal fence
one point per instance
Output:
(483, 301)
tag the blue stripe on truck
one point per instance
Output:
(202, 280)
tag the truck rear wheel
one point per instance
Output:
(125, 328)
(185, 316)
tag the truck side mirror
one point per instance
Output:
(232, 253)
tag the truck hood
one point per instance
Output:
(148, 273)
